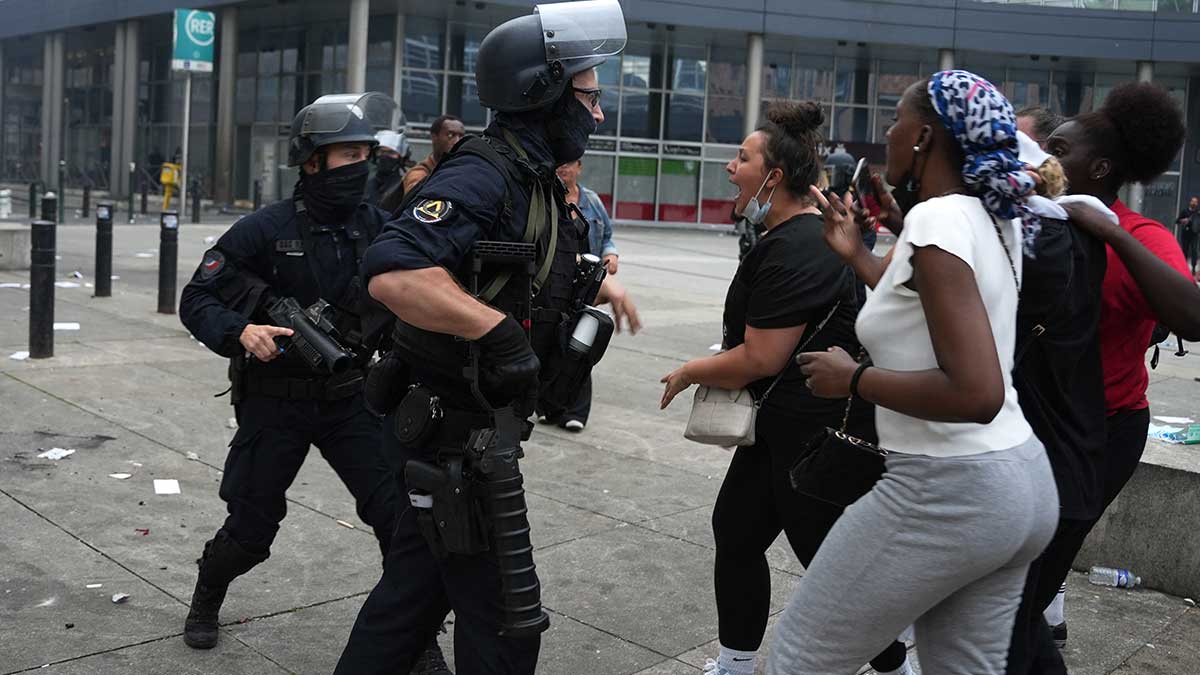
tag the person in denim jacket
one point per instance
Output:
(600, 243)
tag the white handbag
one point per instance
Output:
(727, 417)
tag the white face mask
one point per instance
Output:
(754, 213)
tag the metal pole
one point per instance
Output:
(87, 200)
(104, 224)
(168, 259)
(50, 207)
(41, 289)
(145, 185)
(62, 189)
(257, 194)
(132, 176)
(187, 127)
(33, 199)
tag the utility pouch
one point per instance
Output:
(385, 385)
(418, 417)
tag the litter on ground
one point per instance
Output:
(168, 486)
(56, 453)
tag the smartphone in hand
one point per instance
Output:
(860, 183)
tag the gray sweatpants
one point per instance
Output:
(940, 542)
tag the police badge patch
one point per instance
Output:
(214, 260)
(432, 211)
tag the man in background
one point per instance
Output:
(444, 132)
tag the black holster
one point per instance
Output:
(451, 518)
(385, 385)
(572, 361)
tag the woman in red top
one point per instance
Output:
(1131, 138)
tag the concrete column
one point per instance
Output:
(52, 106)
(1137, 191)
(3, 79)
(754, 74)
(945, 59)
(398, 56)
(226, 123)
(129, 122)
(117, 140)
(356, 49)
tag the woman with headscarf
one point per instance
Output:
(968, 500)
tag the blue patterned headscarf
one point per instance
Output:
(983, 122)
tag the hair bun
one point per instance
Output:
(796, 118)
(1150, 125)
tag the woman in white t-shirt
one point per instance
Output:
(968, 500)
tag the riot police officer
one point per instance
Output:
(299, 252)
(452, 550)
(392, 159)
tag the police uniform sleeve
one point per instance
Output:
(227, 274)
(457, 206)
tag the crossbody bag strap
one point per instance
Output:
(800, 348)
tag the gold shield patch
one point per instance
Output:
(432, 210)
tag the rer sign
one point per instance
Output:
(195, 34)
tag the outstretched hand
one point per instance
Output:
(841, 232)
(1092, 222)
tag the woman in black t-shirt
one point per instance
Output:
(786, 286)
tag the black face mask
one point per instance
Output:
(331, 195)
(387, 165)
(570, 125)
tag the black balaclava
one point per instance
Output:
(387, 165)
(569, 124)
(331, 195)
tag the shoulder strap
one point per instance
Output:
(535, 225)
(800, 348)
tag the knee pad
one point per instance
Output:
(225, 559)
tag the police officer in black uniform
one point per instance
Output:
(306, 248)
(391, 162)
(537, 73)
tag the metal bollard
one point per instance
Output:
(87, 201)
(33, 199)
(132, 182)
(257, 194)
(168, 259)
(50, 207)
(145, 197)
(196, 202)
(62, 190)
(104, 224)
(41, 289)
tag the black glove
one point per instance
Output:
(508, 366)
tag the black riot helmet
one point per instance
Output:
(839, 167)
(339, 118)
(526, 63)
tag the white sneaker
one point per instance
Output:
(573, 425)
(711, 667)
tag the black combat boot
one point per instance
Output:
(200, 630)
(223, 561)
(432, 662)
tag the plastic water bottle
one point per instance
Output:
(1115, 578)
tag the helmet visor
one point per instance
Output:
(389, 139)
(331, 114)
(582, 29)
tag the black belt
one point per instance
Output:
(456, 426)
(304, 389)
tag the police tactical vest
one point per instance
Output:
(557, 241)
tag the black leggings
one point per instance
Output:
(756, 502)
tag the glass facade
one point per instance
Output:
(21, 125)
(674, 100)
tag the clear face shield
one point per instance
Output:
(582, 29)
(331, 114)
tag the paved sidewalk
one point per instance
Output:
(620, 512)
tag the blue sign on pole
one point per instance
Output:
(195, 35)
